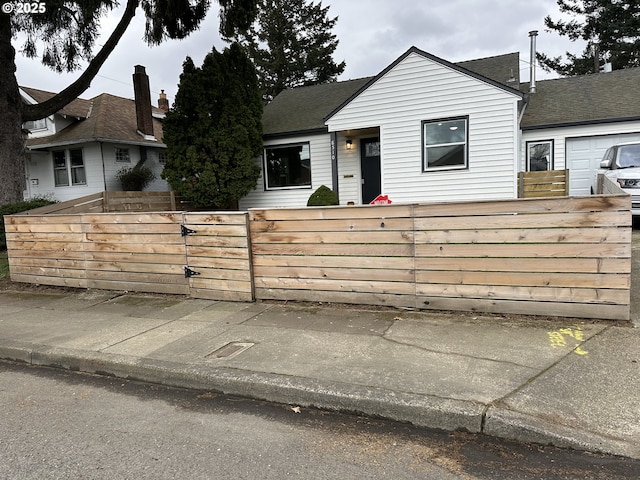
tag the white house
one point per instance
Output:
(426, 130)
(79, 150)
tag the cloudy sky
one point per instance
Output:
(372, 34)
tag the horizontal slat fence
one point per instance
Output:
(141, 202)
(339, 254)
(546, 183)
(561, 257)
(124, 251)
(46, 249)
(565, 256)
(556, 257)
(115, 202)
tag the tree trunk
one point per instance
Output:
(12, 154)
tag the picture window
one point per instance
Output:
(287, 166)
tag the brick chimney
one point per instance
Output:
(143, 101)
(163, 103)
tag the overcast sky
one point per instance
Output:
(372, 34)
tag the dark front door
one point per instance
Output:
(370, 168)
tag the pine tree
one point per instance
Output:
(291, 45)
(610, 28)
(214, 130)
(63, 33)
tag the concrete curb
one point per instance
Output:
(421, 410)
(505, 423)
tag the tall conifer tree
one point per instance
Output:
(214, 130)
(610, 28)
(291, 45)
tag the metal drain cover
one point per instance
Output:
(230, 350)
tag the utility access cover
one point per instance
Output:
(230, 350)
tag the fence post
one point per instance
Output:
(520, 184)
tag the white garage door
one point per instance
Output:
(584, 155)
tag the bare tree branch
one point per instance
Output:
(73, 91)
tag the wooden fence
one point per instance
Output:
(115, 202)
(558, 257)
(145, 252)
(546, 183)
(568, 256)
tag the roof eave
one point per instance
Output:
(64, 143)
(580, 123)
(295, 133)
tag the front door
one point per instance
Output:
(370, 169)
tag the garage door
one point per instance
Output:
(584, 155)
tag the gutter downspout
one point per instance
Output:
(104, 172)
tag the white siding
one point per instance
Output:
(40, 169)
(349, 174)
(158, 185)
(320, 153)
(99, 160)
(111, 167)
(419, 89)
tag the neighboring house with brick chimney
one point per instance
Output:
(78, 150)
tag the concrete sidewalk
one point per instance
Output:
(568, 383)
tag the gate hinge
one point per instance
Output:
(188, 273)
(184, 231)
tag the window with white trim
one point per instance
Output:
(287, 166)
(539, 155)
(68, 168)
(122, 155)
(32, 125)
(445, 144)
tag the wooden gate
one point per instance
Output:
(218, 256)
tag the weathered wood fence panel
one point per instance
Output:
(136, 252)
(46, 249)
(115, 202)
(144, 252)
(571, 257)
(558, 257)
(546, 183)
(218, 254)
(141, 202)
(340, 254)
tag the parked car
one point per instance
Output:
(621, 163)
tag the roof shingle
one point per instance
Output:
(111, 118)
(583, 99)
(79, 108)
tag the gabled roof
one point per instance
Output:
(79, 108)
(586, 99)
(111, 119)
(305, 109)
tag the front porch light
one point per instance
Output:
(349, 144)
